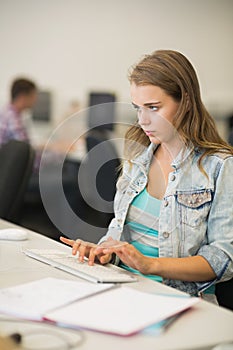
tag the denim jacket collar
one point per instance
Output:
(145, 157)
(182, 156)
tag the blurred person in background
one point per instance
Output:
(23, 97)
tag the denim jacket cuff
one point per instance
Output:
(216, 257)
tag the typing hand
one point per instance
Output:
(110, 243)
(87, 249)
(128, 254)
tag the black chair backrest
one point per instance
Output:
(224, 293)
(16, 164)
(103, 157)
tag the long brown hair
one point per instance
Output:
(172, 72)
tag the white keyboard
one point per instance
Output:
(97, 273)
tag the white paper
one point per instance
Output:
(122, 311)
(32, 300)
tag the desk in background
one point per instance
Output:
(201, 327)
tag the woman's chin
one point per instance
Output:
(154, 140)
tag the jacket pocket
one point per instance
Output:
(194, 206)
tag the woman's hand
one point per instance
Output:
(88, 250)
(129, 255)
(190, 269)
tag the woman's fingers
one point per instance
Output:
(133, 258)
(83, 248)
(76, 246)
(109, 246)
(104, 259)
(90, 250)
(127, 254)
(72, 243)
(92, 256)
(116, 248)
(67, 241)
(113, 244)
(80, 246)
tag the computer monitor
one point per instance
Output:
(41, 111)
(101, 115)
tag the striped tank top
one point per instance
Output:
(143, 225)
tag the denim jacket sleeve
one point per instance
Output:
(121, 204)
(219, 250)
(113, 232)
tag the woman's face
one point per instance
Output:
(156, 111)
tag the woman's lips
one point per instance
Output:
(148, 133)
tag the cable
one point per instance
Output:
(61, 341)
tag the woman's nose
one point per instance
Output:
(143, 117)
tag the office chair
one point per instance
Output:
(224, 294)
(98, 181)
(16, 163)
(105, 154)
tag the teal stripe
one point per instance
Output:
(147, 203)
(151, 206)
(146, 250)
(151, 252)
(142, 228)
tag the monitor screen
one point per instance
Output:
(101, 115)
(42, 109)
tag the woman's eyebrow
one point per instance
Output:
(147, 104)
(152, 103)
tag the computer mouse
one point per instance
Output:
(13, 234)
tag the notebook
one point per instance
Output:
(107, 308)
(122, 311)
(32, 300)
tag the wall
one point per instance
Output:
(74, 46)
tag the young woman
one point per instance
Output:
(173, 207)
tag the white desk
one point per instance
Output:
(201, 327)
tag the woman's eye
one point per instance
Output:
(153, 108)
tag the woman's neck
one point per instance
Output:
(169, 151)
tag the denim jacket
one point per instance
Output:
(196, 216)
